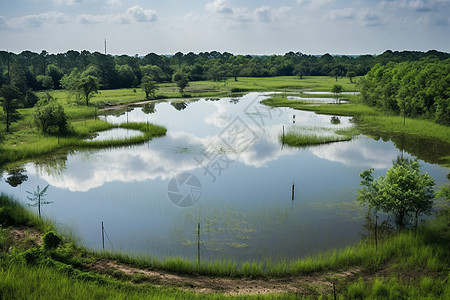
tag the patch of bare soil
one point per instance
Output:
(302, 285)
(21, 235)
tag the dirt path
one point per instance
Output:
(317, 283)
(314, 284)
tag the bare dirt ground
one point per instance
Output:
(314, 284)
(302, 285)
(22, 234)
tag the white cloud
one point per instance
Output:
(315, 4)
(38, 19)
(421, 6)
(114, 3)
(139, 14)
(267, 14)
(220, 6)
(67, 2)
(362, 17)
(342, 14)
(240, 14)
(133, 14)
(91, 19)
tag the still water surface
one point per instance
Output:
(243, 193)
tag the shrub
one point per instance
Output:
(32, 255)
(51, 240)
(6, 218)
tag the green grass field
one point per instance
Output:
(211, 89)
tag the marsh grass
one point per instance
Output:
(370, 117)
(30, 144)
(302, 140)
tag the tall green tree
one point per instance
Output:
(10, 100)
(51, 116)
(149, 86)
(181, 79)
(81, 83)
(88, 85)
(404, 191)
(351, 75)
(337, 90)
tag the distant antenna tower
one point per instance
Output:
(105, 46)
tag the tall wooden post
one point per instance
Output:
(103, 236)
(39, 204)
(198, 243)
(293, 190)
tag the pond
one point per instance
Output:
(220, 165)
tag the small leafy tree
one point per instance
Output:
(337, 90)
(10, 100)
(37, 198)
(181, 79)
(45, 81)
(88, 86)
(82, 84)
(50, 116)
(149, 86)
(404, 191)
(351, 75)
(336, 72)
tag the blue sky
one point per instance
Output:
(240, 27)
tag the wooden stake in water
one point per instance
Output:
(283, 134)
(198, 243)
(293, 191)
(103, 236)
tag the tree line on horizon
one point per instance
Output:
(44, 71)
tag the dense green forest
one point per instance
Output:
(412, 89)
(29, 70)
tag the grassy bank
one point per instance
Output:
(370, 117)
(29, 143)
(404, 265)
(411, 136)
